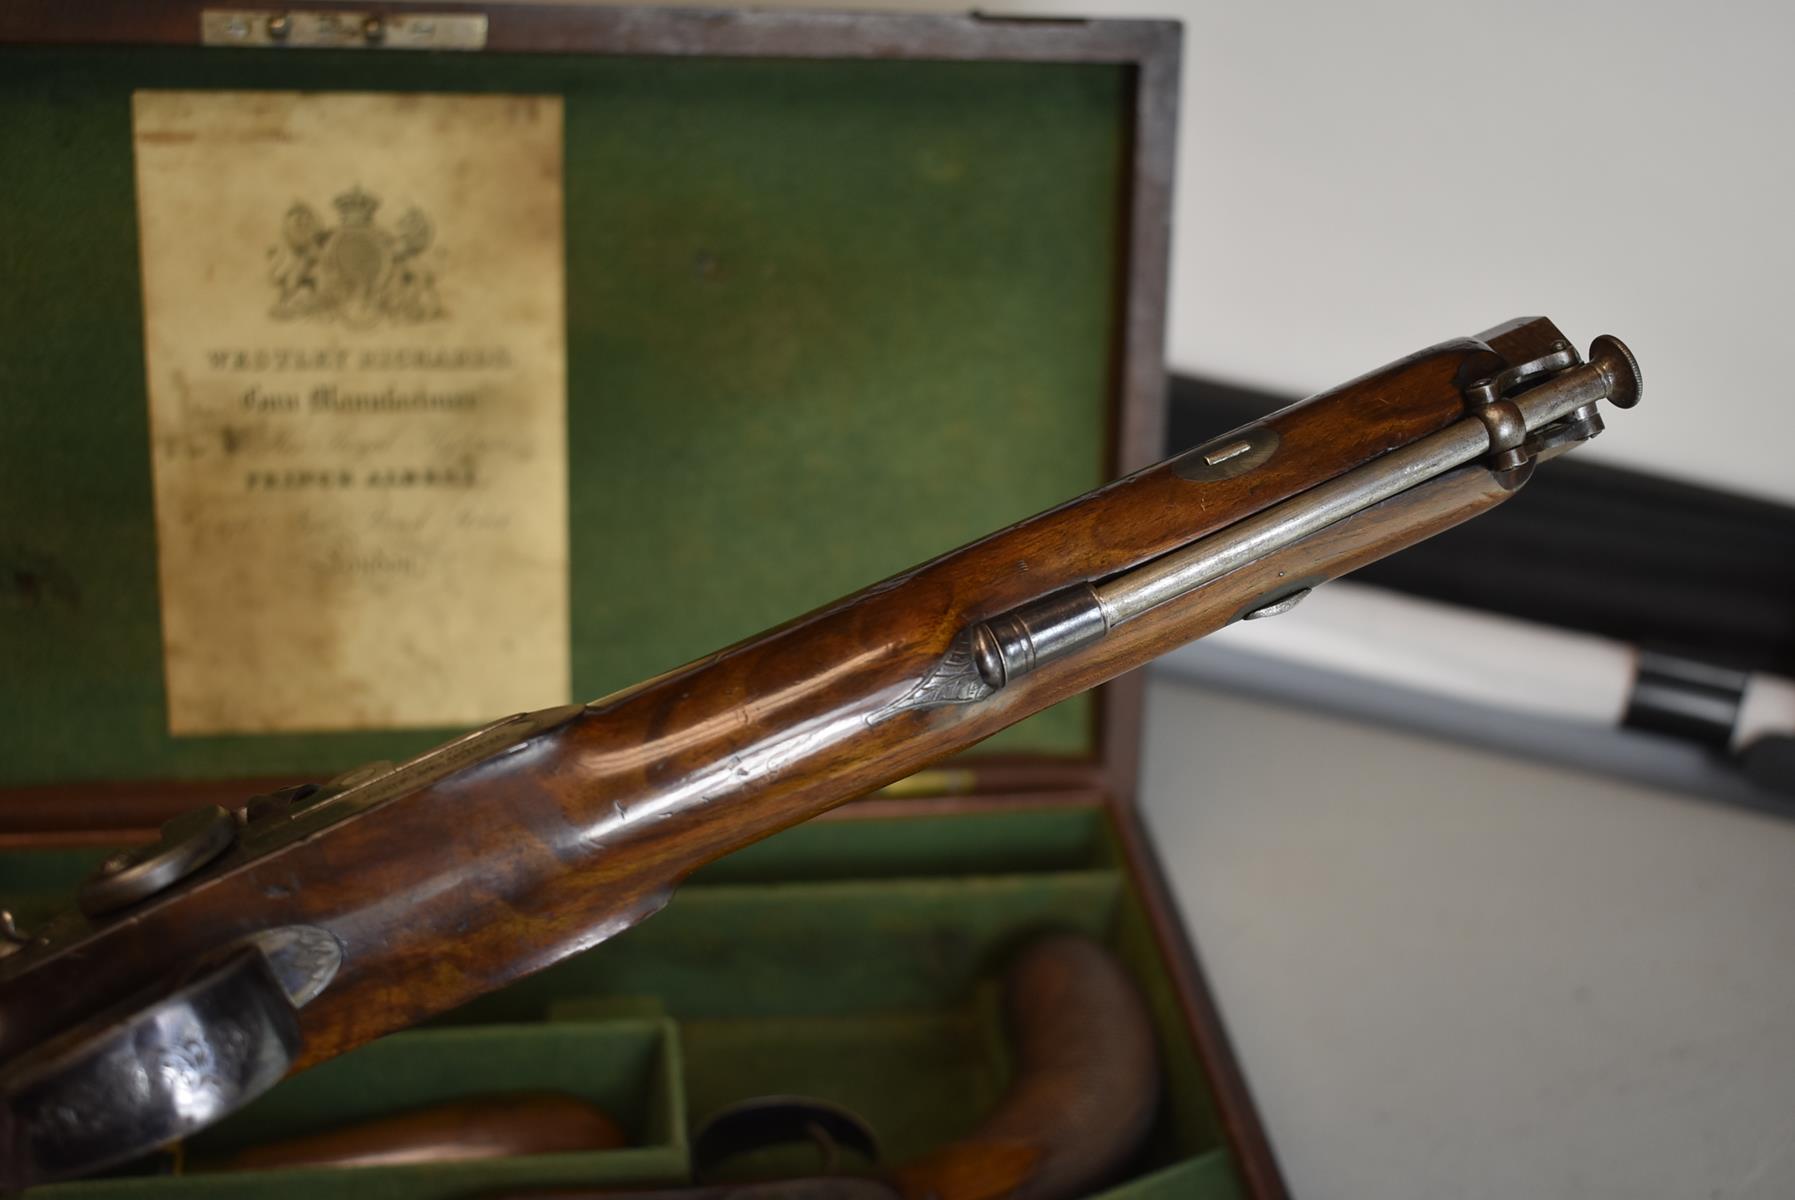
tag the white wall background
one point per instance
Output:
(1358, 180)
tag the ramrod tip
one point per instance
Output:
(1625, 383)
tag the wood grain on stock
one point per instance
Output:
(498, 1126)
(508, 866)
(113, 814)
(1087, 1084)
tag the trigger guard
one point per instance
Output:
(144, 1074)
(762, 1122)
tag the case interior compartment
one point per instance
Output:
(852, 959)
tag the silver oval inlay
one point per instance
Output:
(1229, 456)
(1216, 458)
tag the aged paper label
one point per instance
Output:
(357, 384)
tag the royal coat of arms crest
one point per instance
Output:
(359, 272)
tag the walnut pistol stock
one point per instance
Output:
(193, 973)
(499, 1126)
(1087, 1082)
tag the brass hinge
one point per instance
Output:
(336, 30)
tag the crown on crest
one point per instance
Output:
(356, 206)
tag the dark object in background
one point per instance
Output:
(1689, 700)
(1666, 566)
(1769, 762)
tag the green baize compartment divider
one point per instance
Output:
(773, 974)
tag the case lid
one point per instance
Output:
(842, 292)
